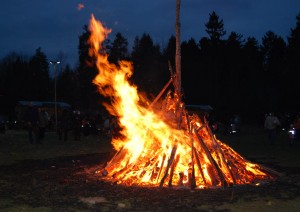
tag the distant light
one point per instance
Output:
(54, 62)
(292, 131)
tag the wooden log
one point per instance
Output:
(181, 177)
(116, 158)
(170, 69)
(199, 165)
(216, 146)
(179, 112)
(171, 159)
(173, 75)
(161, 167)
(220, 151)
(117, 154)
(192, 180)
(174, 165)
(178, 50)
(270, 171)
(160, 93)
(125, 169)
(236, 163)
(211, 159)
(190, 129)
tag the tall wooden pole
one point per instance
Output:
(178, 75)
(55, 103)
(178, 50)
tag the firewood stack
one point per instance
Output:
(211, 164)
(178, 149)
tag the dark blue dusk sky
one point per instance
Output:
(54, 25)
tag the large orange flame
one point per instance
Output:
(153, 150)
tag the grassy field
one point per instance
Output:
(252, 144)
(15, 147)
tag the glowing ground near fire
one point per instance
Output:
(161, 143)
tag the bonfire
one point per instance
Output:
(162, 144)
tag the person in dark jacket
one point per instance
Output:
(32, 120)
(271, 124)
(64, 125)
(76, 125)
(43, 123)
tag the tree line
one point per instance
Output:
(232, 74)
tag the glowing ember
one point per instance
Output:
(80, 6)
(156, 147)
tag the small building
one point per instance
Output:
(200, 110)
(22, 106)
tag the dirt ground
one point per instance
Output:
(61, 177)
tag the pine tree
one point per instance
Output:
(118, 49)
(39, 80)
(293, 61)
(215, 27)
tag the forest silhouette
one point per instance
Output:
(233, 74)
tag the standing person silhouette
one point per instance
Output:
(32, 119)
(76, 119)
(271, 124)
(43, 123)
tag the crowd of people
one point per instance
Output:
(77, 124)
(70, 124)
(273, 124)
(37, 122)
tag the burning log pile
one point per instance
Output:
(161, 143)
(195, 159)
